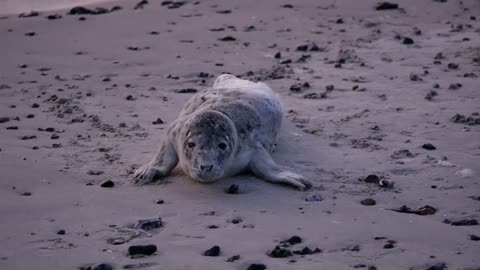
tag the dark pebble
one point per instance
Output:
(212, 252)
(107, 184)
(368, 202)
(372, 178)
(422, 211)
(186, 91)
(388, 246)
(462, 222)
(148, 224)
(279, 252)
(54, 17)
(160, 202)
(130, 98)
(100, 266)
(81, 11)
(293, 240)
(428, 146)
(35, 105)
(92, 172)
(386, 6)
(142, 250)
(157, 122)
(474, 237)
(30, 34)
(307, 251)
(61, 232)
(31, 116)
(233, 258)
(233, 189)
(407, 41)
(257, 267)
(141, 4)
(227, 38)
(455, 86)
(278, 55)
(12, 128)
(4, 119)
(29, 14)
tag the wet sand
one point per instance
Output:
(388, 93)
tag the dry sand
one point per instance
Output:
(101, 82)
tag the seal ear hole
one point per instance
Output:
(191, 145)
(222, 146)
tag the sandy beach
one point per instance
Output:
(382, 115)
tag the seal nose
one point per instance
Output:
(206, 168)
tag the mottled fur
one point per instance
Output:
(222, 131)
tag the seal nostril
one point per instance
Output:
(207, 168)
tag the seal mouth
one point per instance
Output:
(202, 177)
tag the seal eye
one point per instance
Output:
(222, 146)
(191, 145)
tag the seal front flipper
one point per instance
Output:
(263, 166)
(161, 165)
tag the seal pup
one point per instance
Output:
(222, 131)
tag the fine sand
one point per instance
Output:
(391, 93)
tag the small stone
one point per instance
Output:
(4, 119)
(142, 250)
(388, 246)
(92, 172)
(372, 178)
(157, 122)
(368, 202)
(407, 41)
(278, 55)
(35, 105)
(160, 202)
(233, 258)
(81, 11)
(186, 91)
(100, 266)
(307, 251)
(233, 189)
(279, 252)
(293, 240)
(26, 194)
(54, 17)
(474, 237)
(257, 267)
(452, 66)
(130, 98)
(428, 146)
(108, 184)
(386, 6)
(314, 198)
(141, 4)
(54, 136)
(212, 252)
(455, 86)
(61, 232)
(227, 38)
(148, 224)
(462, 222)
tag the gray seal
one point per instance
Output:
(222, 131)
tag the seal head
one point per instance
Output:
(207, 145)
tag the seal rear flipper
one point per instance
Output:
(161, 165)
(263, 166)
